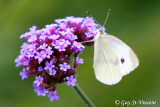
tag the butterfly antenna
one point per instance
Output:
(91, 16)
(107, 17)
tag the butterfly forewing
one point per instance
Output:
(106, 62)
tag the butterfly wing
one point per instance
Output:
(106, 63)
(126, 55)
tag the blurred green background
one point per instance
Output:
(136, 22)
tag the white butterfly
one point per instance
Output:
(112, 58)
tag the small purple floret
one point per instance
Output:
(23, 74)
(79, 60)
(48, 52)
(40, 56)
(64, 66)
(71, 81)
(40, 68)
(49, 65)
(52, 72)
(43, 46)
(53, 96)
(40, 91)
(38, 80)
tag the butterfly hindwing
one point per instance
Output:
(127, 57)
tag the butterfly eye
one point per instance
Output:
(122, 60)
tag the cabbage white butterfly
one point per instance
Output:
(112, 58)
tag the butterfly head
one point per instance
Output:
(101, 30)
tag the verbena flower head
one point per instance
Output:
(48, 53)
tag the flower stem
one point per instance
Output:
(83, 96)
(80, 92)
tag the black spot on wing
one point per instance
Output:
(122, 60)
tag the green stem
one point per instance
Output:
(83, 96)
(81, 93)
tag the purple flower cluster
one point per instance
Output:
(48, 53)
